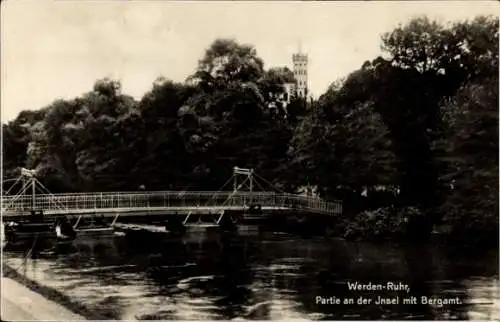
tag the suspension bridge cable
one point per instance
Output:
(17, 180)
(233, 193)
(220, 190)
(40, 186)
(10, 179)
(26, 187)
(227, 182)
(269, 183)
(43, 189)
(258, 184)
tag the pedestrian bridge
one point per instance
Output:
(165, 201)
(162, 202)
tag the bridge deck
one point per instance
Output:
(165, 202)
(124, 212)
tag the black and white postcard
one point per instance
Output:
(249, 160)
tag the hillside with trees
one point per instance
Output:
(409, 138)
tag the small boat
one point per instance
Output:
(36, 226)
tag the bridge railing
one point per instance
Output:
(166, 199)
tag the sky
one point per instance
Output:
(58, 49)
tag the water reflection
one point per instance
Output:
(207, 276)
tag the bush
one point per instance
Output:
(383, 223)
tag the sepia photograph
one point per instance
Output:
(249, 160)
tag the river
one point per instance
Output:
(264, 276)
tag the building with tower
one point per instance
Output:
(299, 88)
(300, 62)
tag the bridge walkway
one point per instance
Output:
(152, 202)
(206, 202)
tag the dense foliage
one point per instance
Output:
(382, 223)
(417, 127)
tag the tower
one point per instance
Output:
(300, 61)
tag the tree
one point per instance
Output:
(108, 133)
(226, 61)
(344, 150)
(428, 62)
(469, 154)
(15, 140)
(166, 133)
(234, 100)
(17, 136)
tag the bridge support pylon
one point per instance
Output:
(249, 174)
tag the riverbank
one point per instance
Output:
(410, 224)
(21, 297)
(19, 303)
